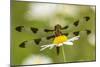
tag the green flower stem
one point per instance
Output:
(63, 52)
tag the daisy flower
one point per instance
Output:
(60, 41)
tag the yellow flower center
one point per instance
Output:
(60, 39)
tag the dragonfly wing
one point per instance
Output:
(38, 41)
(86, 18)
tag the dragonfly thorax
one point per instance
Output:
(58, 30)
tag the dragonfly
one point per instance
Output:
(56, 32)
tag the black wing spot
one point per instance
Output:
(19, 28)
(37, 41)
(87, 18)
(49, 37)
(22, 45)
(76, 33)
(47, 30)
(76, 23)
(65, 34)
(65, 27)
(88, 32)
(57, 50)
(34, 30)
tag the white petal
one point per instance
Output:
(46, 46)
(68, 43)
(74, 38)
(52, 46)
(43, 48)
(60, 44)
(43, 45)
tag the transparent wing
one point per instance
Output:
(76, 27)
(38, 41)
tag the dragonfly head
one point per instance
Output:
(57, 27)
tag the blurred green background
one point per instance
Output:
(82, 50)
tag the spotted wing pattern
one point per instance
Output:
(38, 40)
